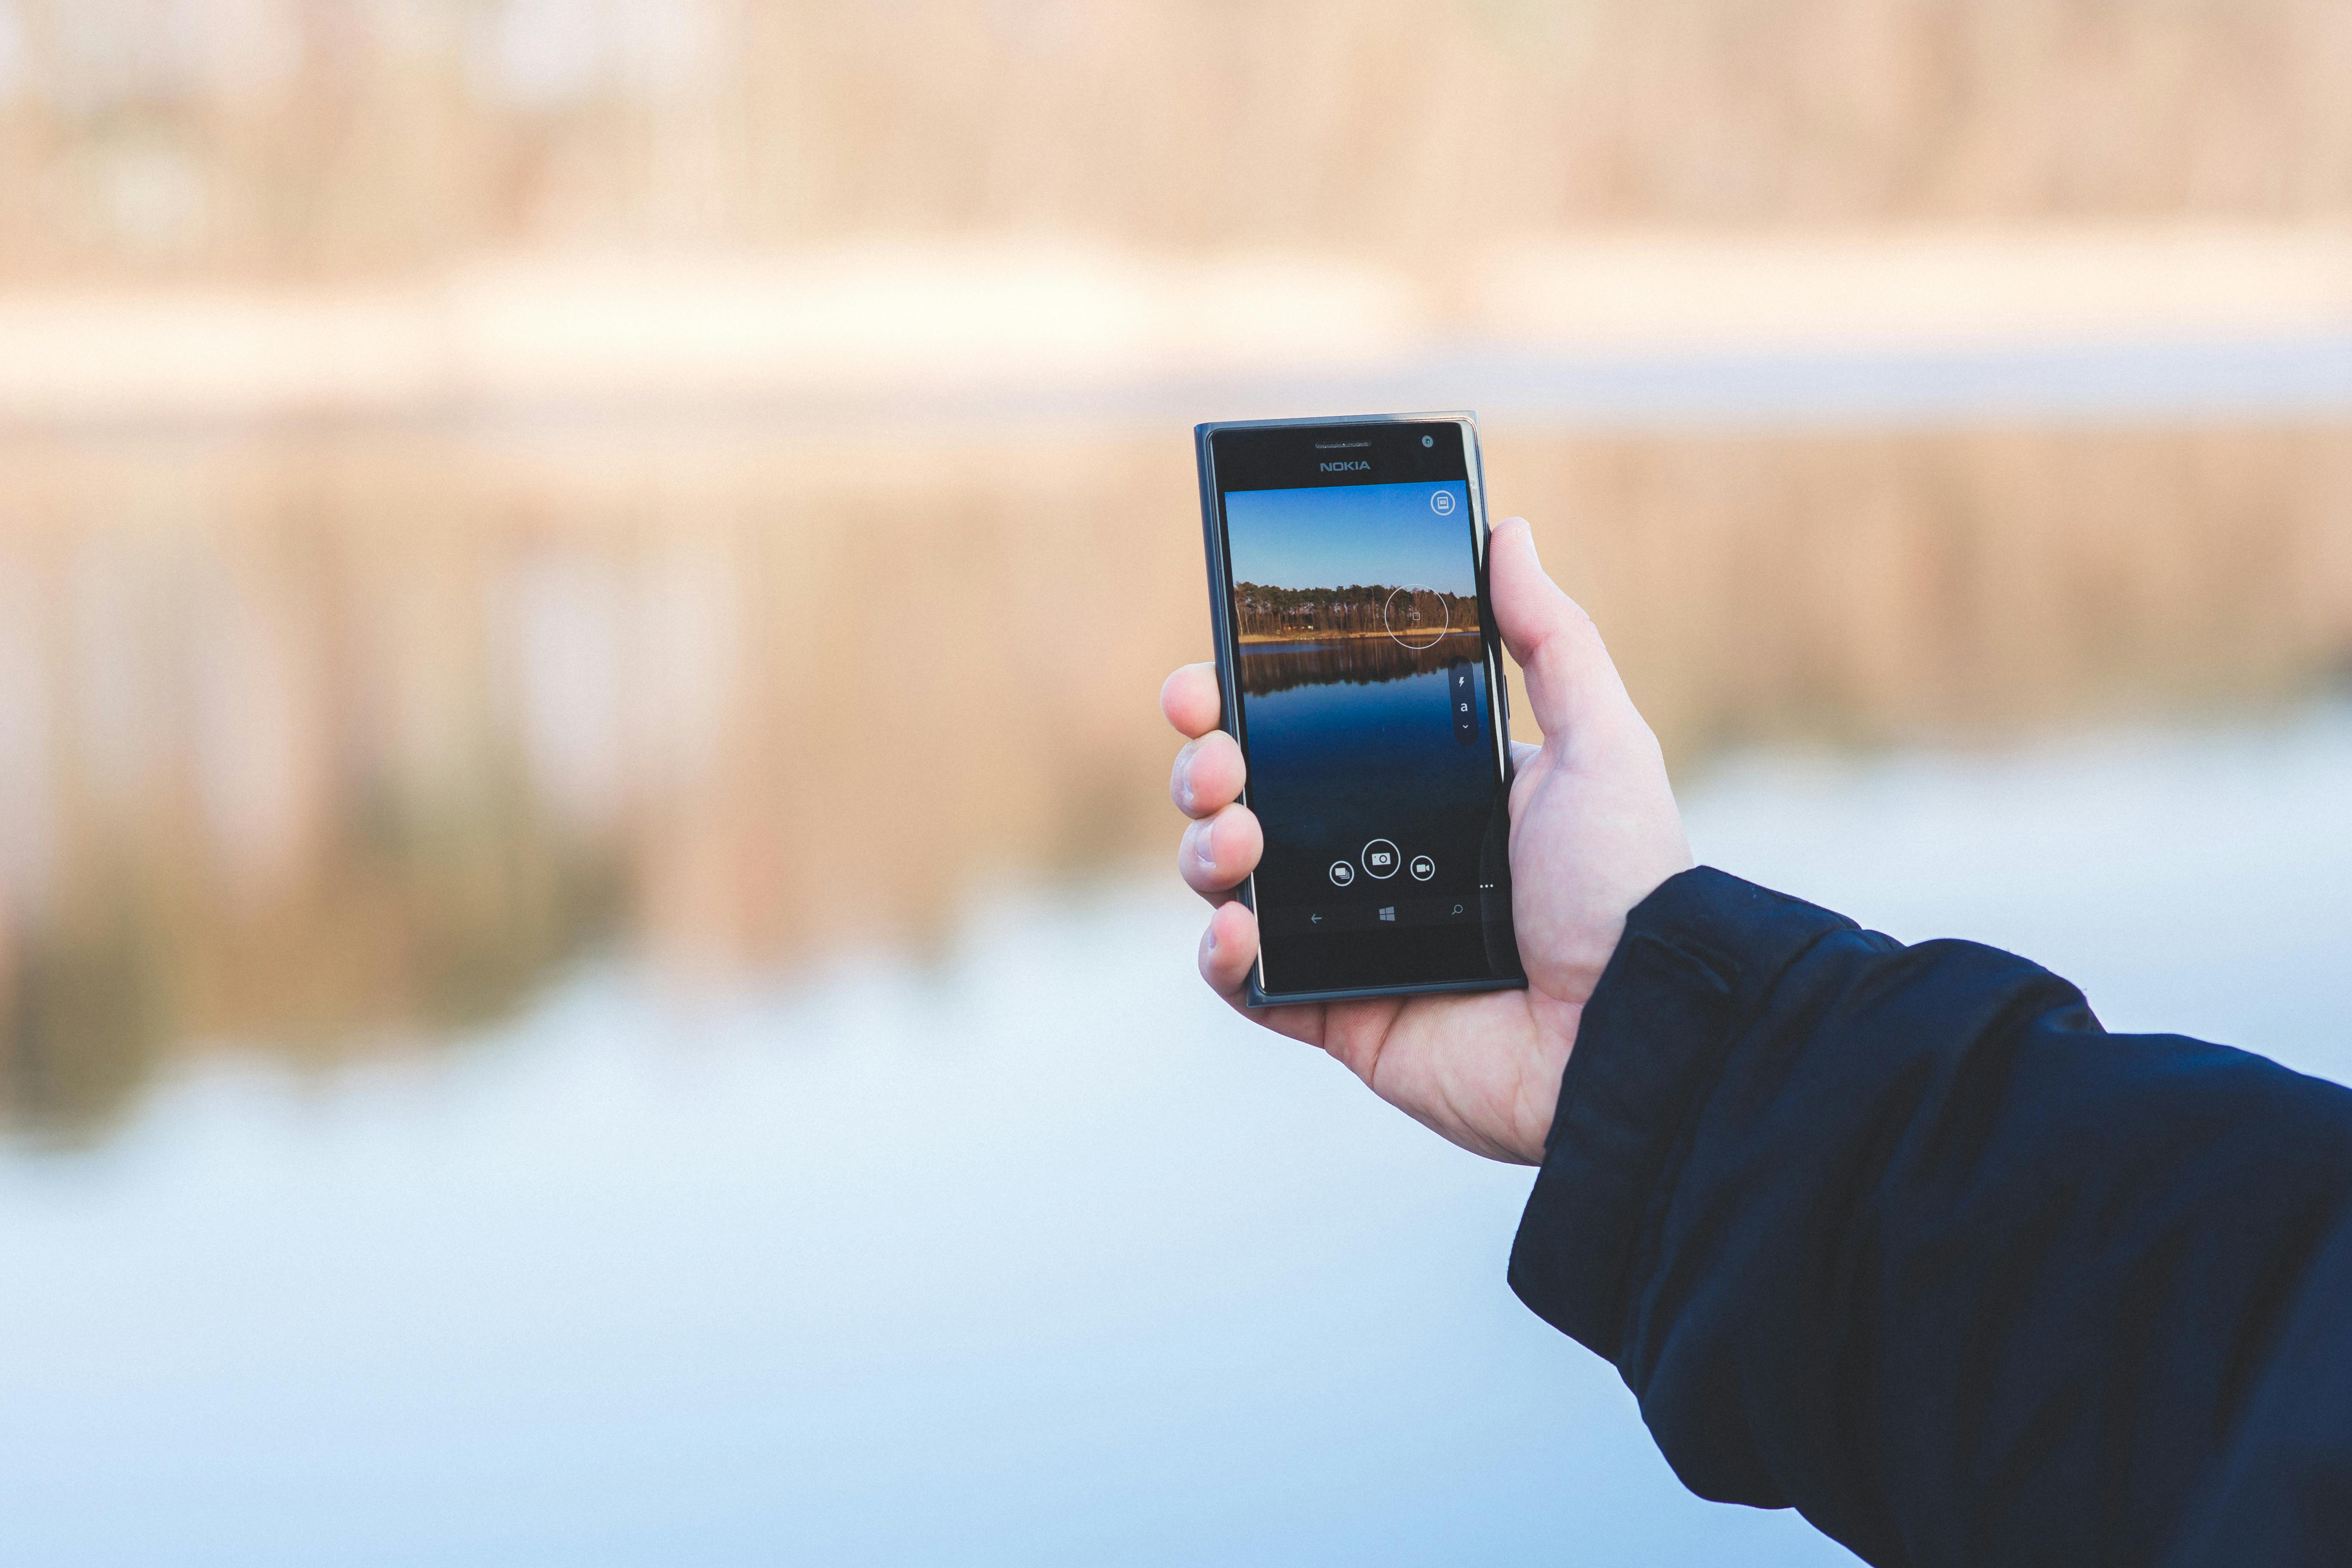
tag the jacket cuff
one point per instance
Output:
(1696, 959)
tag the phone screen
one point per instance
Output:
(1362, 692)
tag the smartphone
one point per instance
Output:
(1362, 676)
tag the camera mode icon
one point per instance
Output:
(1423, 868)
(1442, 503)
(1380, 860)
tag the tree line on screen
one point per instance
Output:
(1262, 611)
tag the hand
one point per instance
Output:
(1593, 831)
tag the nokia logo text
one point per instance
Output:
(1342, 467)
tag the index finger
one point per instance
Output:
(1190, 700)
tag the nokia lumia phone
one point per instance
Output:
(1362, 676)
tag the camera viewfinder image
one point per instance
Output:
(1363, 688)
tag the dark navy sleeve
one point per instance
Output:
(1901, 1238)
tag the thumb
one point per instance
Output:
(1569, 677)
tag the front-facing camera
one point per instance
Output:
(1429, 440)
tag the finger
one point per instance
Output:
(1208, 774)
(1524, 751)
(1568, 673)
(1228, 948)
(1190, 700)
(1217, 854)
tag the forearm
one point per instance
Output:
(1902, 1237)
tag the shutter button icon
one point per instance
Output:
(1380, 860)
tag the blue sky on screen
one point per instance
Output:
(1329, 538)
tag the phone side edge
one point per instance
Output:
(1213, 550)
(1498, 706)
(1257, 998)
(1497, 680)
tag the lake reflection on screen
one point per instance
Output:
(1365, 748)
(1270, 667)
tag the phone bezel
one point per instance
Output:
(1228, 665)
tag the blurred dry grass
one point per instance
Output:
(321, 742)
(307, 138)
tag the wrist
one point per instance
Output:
(1555, 1045)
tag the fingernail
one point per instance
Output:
(1213, 938)
(1184, 778)
(1204, 853)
